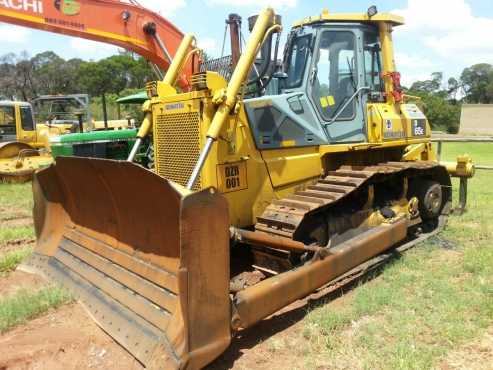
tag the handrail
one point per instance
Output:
(339, 112)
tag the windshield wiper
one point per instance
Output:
(351, 71)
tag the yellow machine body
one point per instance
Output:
(24, 146)
(250, 178)
(158, 269)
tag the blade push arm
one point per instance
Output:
(127, 25)
(264, 25)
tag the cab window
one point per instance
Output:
(373, 62)
(335, 79)
(27, 121)
(7, 120)
(296, 62)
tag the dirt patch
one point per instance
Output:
(278, 342)
(271, 344)
(476, 355)
(15, 244)
(13, 211)
(10, 222)
(19, 280)
(63, 339)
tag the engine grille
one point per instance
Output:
(177, 146)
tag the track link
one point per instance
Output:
(283, 216)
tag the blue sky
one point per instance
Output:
(440, 35)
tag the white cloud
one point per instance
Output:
(14, 34)
(426, 15)
(88, 49)
(449, 29)
(410, 77)
(209, 45)
(276, 4)
(166, 8)
(414, 68)
(412, 61)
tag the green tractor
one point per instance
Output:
(110, 144)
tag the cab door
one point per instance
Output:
(8, 127)
(26, 127)
(334, 85)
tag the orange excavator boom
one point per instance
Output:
(124, 24)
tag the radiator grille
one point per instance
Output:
(177, 146)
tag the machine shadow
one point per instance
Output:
(290, 315)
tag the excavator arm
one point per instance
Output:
(124, 24)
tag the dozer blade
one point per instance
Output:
(149, 261)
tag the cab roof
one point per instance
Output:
(326, 16)
(11, 103)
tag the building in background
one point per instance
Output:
(476, 119)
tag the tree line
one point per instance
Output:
(442, 100)
(23, 77)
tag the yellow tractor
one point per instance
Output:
(23, 144)
(270, 182)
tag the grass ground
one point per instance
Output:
(15, 197)
(15, 213)
(422, 307)
(16, 232)
(24, 305)
(11, 259)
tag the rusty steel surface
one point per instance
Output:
(376, 262)
(284, 216)
(144, 264)
(138, 255)
(272, 241)
(263, 299)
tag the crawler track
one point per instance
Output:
(376, 262)
(284, 217)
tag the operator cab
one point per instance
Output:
(332, 68)
(336, 66)
(16, 119)
(62, 110)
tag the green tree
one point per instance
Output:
(453, 88)
(54, 75)
(477, 83)
(430, 86)
(24, 77)
(442, 111)
(47, 73)
(114, 74)
(8, 73)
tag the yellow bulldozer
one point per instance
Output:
(24, 145)
(297, 172)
